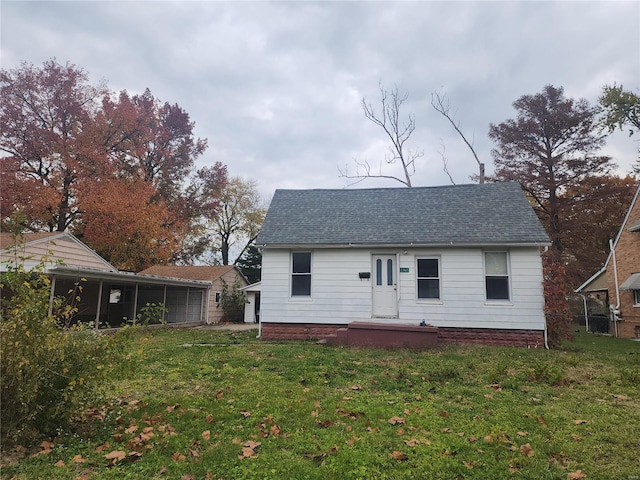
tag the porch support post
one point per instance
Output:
(52, 294)
(135, 303)
(99, 305)
(186, 307)
(164, 303)
(206, 305)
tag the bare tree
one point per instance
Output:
(398, 132)
(237, 222)
(440, 103)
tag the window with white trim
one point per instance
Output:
(496, 274)
(636, 298)
(428, 278)
(300, 274)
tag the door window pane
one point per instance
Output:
(389, 272)
(378, 272)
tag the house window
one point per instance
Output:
(496, 271)
(636, 298)
(301, 273)
(218, 296)
(428, 278)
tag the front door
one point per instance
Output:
(385, 295)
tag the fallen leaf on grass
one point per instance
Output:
(245, 413)
(249, 450)
(577, 475)
(527, 450)
(274, 431)
(414, 442)
(132, 428)
(208, 418)
(59, 463)
(78, 459)
(188, 477)
(46, 448)
(576, 438)
(523, 434)
(351, 442)
(469, 465)
(541, 420)
(579, 422)
(399, 456)
(396, 420)
(621, 397)
(206, 435)
(115, 455)
(178, 457)
(102, 447)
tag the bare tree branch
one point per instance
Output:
(445, 162)
(389, 120)
(440, 103)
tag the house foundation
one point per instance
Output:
(387, 335)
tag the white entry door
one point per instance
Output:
(385, 295)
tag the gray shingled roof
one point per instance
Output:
(489, 214)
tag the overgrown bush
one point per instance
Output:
(45, 369)
(232, 302)
(556, 304)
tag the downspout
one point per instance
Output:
(615, 279)
(546, 339)
(259, 327)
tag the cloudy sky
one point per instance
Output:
(276, 87)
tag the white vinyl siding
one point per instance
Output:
(340, 296)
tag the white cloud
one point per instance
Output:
(276, 87)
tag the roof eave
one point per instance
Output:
(125, 277)
(406, 245)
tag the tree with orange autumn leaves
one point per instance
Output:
(115, 170)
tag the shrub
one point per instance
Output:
(556, 304)
(232, 302)
(44, 369)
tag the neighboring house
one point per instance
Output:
(216, 275)
(109, 297)
(464, 259)
(618, 282)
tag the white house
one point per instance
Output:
(462, 258)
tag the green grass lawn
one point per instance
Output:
(201, 404)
